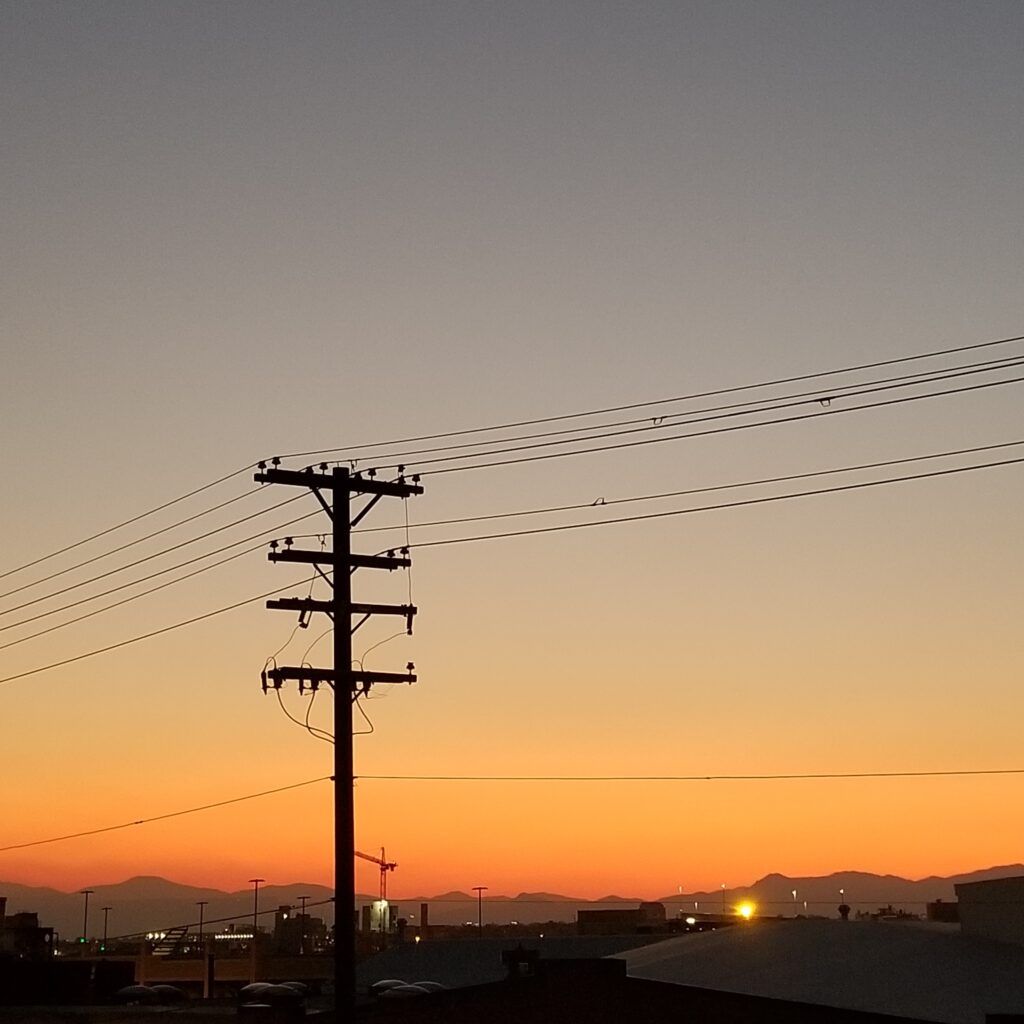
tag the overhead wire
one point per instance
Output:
(138, 561)
(602, 502)
(860, 485)
(147, 636)
(561, 528)
(137, 541)
(162, 572)
(753, 777)
(688, 416)
(128, 522)
(165, 817)
(491, 428)
(127, 600)
(731, 428)
(692, 396)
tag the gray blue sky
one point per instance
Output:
(235, 229)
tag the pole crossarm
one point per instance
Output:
(274, 678)
(305, 604)
(327, 558)
(357, 484)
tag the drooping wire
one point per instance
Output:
(327, 736)
(408, 570)
(319, 734)
(359, 707)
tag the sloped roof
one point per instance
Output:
(922, 970)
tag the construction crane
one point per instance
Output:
(385, 866)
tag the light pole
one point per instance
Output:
(302, 925)
(85, 919)
(794, 903)
(479, 890)
(255, 882)
(200, 904)
(723, 899)
(106, 915)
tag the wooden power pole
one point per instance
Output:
(337, 568)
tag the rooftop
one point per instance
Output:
(913, 969)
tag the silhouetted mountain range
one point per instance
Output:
(147, 903)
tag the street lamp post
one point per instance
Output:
(106, 915)
(302, 925)
(794, 903)
(255, 882)
(201, 904)
(479, 890)
(85, 919)
(723, 899)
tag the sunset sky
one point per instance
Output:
(238, 230)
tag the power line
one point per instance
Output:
(605, 503)
(131, 565)
(164, 817)
(697, 433)
(692, 396)
(138, 540)
(127, 600)
(542, 530)
(129, 522)
(733, 409)
(780, 777)
(712, 508)
(607, 410)
(153, 633)
(163, 572)
(246, 915)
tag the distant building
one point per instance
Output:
(21, 938)
(947, 913)
(993, 909)
(647, 917)
(298, 933)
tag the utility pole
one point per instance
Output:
(201, 904)
(347, 683)
(85, 920)
(479, 890)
